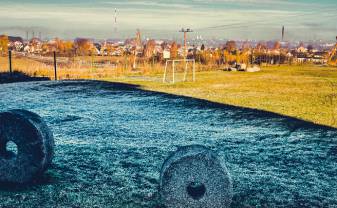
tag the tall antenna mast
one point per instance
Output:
(115, 19)
(188, 30)
(115, 15)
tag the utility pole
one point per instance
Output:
(279, 57)
(185, 31)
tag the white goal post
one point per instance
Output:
(186, 61)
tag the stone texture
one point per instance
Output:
(195, 177)
(35, 146)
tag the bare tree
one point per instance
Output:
(174, 50)
(4, 44)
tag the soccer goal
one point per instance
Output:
(188, 65)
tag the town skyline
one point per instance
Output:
(227, 19)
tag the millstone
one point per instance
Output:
(34, 142)
(195, 177)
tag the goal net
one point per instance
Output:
(179, 70)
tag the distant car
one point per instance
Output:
(236, 67)
(116, 53)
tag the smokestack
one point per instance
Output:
(282, 33)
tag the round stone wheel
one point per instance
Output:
(193, 176)
(34, 143)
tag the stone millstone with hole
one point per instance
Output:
(35, 146)
(195, 177)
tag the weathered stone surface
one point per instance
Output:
(194, 177)
(35, 146)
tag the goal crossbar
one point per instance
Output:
(174, 69)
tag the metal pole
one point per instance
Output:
(251, 56)
(10, 61)
(55, 66)
(164, 79)
(185, 74)
(185, 45)
(173, 72)
(193, 70)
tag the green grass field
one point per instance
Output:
(304, 92)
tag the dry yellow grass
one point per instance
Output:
(304, 92)
(79, 71)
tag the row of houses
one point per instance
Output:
(158, 48)
(101, 48)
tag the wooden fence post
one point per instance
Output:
(55, 66)
(10, 61)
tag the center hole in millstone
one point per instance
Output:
(11, 149)
(196, 190)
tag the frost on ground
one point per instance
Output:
(112, 139)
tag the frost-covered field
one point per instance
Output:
(112, 140)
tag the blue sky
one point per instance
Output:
(228, 19)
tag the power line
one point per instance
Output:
(260, 22)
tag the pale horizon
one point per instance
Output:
(225, 19)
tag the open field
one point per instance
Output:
(111, 140)
(304, 92)
(307, 92)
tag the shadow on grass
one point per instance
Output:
(44, 179)
(6, 77)
(292, 123)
